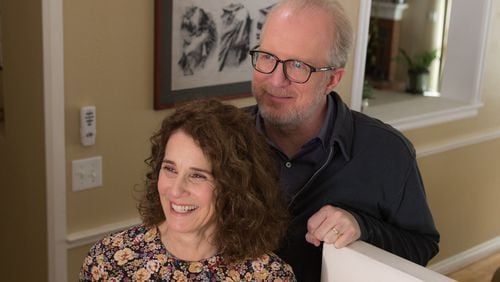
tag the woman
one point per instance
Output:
(211, 211)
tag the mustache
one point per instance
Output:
(278, 92)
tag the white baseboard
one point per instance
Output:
(88, 236)
(467, 257)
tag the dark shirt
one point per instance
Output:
(370, 170)
(295, 171)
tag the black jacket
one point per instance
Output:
(371, 171)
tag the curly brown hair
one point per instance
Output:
(250, 213)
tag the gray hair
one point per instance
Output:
(342, 28)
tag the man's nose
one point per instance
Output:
(278, 77)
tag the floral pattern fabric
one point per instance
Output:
(137, 254)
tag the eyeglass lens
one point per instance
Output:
(294, 70)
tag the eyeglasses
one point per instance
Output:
(294, 70)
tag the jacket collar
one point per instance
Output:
(341, 119)
(343, 126)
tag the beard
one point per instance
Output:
(287, 116)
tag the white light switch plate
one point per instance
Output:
(87, 173)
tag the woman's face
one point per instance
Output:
(186, 187)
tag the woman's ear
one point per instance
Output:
(335, 78)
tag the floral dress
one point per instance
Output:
(137, 254)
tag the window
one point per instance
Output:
(459, 94)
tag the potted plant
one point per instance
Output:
(418, 69)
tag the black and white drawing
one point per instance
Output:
(201, 47)
(261, 19)
(199, 37)
(235, 36)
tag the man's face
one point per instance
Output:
(302, 35)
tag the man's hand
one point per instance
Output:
(333, 226)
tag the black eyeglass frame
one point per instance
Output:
(283, 62)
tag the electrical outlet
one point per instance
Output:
(87, 173)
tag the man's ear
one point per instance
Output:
(335, 78)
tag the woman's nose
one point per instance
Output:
(177, 186)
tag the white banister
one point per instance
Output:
(361, 261)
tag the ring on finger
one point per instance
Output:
(335, 231)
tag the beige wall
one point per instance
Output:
(75, 259)
(22, 165)
(462, 188)
(108, 63)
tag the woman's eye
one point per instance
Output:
(198, 176)
(169, 169)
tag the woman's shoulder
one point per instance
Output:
(270, 258)
(130, 237)
(268, 266)
(118, 254)
(133, 234)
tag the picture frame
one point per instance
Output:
(201, 48)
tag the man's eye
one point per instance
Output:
(266, 57)
(298, 64)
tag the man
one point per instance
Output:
(346, 176)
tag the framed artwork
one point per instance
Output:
(201, 48)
